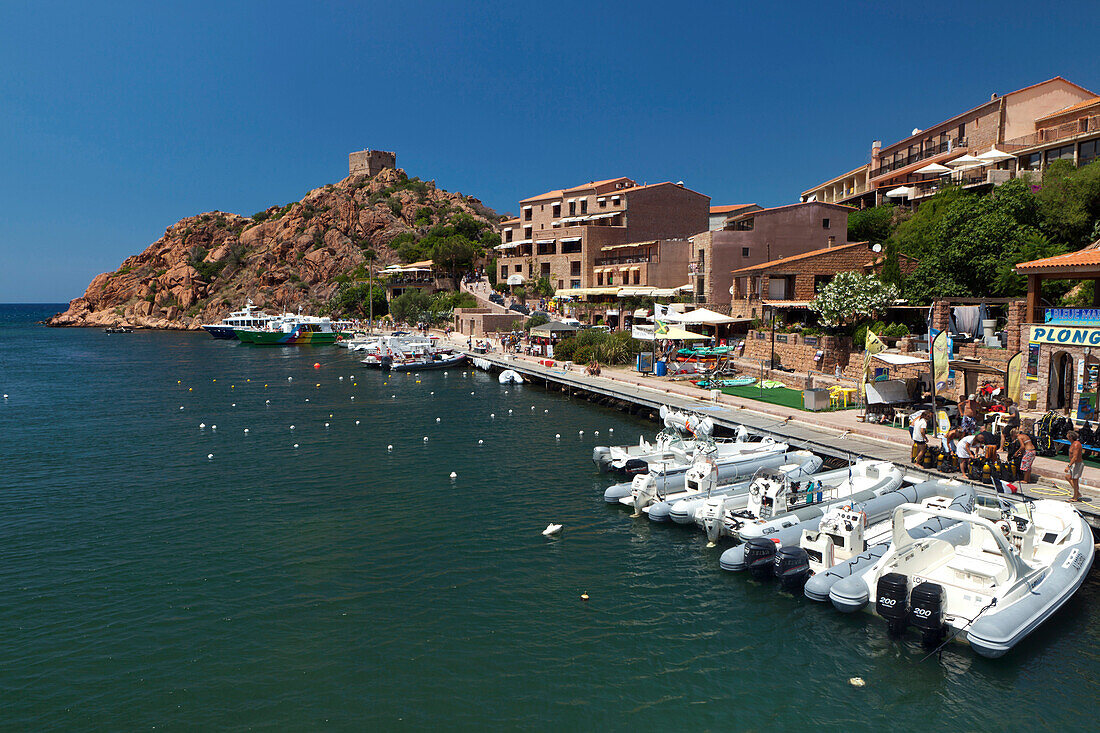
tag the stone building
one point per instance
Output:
(790, 283)
(759, 236)
(370, 162)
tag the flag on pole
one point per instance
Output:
(940, 366)
(872, 345)
(1012, 378)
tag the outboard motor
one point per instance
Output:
(926, 604)
(712, 520)
(760, 557)
(644, 489)
(792, 568)
(891, 603)
(635, 467)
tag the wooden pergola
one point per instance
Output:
(1084, 264)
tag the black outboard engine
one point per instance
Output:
(792, 568)
(759, 557)
(892, 601)
(926, 604)
(386, 362)
(635, 466)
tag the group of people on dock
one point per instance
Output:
(974, 439)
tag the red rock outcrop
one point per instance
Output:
(207, 265)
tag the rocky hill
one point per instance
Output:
(295, 255)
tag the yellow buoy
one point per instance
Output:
(584, 596)
(190, 389)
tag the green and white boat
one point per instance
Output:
(290, 330)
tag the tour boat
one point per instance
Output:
(247, 317)
(990, 578)
(290, 330)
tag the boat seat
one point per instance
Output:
(975, 568)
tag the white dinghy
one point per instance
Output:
(775, 503)
(991, 578)
(731, 460)
(701, 483)
(510, 376)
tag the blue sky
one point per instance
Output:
(118, 119)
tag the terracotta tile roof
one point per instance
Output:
(770, 209)
(547, 195)
(594, 184)
(1082, 258)
(1072, 108)
(728, 209)
(632, 189)
(795, 258)
(510, 221)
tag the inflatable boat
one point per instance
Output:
(848, 542)
(991, 578)
(701, 483)
(775, 503)
(731, 461)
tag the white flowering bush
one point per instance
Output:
(852, 297)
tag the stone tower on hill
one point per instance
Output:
(370, 162)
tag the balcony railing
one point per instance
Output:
(1053, 134)
(945, 146)
(626, 260)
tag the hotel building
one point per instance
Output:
(592, 235)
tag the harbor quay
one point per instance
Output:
(837, 435)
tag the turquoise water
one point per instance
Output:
(340, 585)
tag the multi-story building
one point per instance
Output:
(561, 234)
(987, 126)
(759, 236)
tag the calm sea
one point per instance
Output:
(340, 584)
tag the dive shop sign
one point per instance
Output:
(1067, 335)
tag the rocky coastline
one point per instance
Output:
(284, 257)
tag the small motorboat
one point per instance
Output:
(851, 538)
(991, 578)
(632, 459)
(437, 360)
(681, 509)
(731, 460)
(778, 509)
(119, 329)
(701, 483)
(510, 376)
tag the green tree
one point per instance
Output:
(874, 224)
(411, 306)
(536, 320)
(1069, 202)
(356, 300)
(456, 252)
(962, 240)
(851, 297)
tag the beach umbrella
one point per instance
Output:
(995, 156)
(964, 160)
(934, 168)
(900, 192)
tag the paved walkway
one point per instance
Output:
(888, 442)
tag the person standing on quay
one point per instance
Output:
(1076, 464)
(920, 437)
